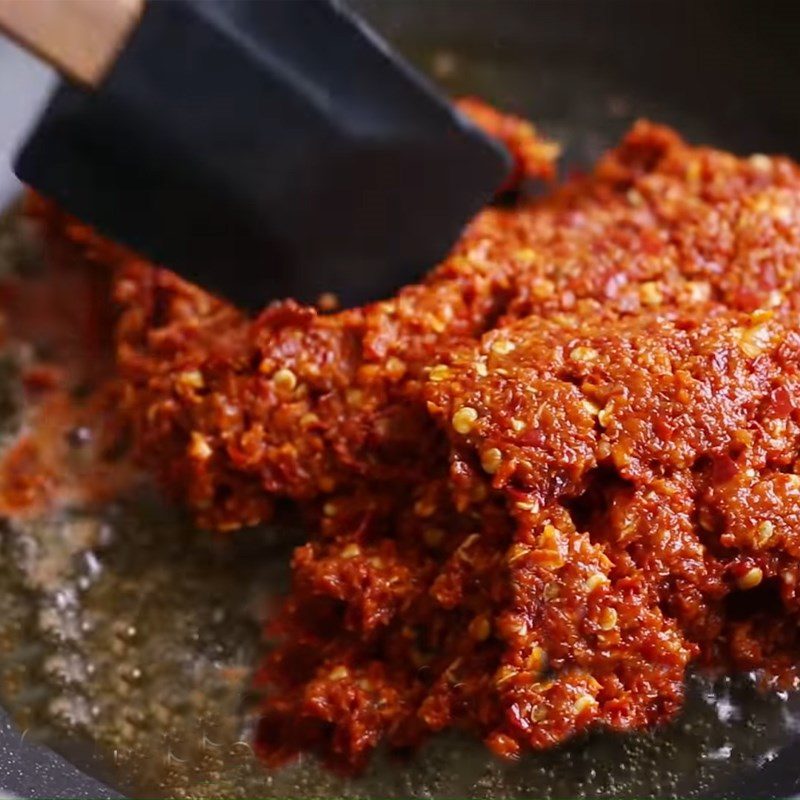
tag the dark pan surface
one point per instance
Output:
(725, 73)
(722, 73)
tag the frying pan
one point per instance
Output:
(723, 73)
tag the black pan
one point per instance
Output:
(722, 73)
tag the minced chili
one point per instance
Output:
(540, 483)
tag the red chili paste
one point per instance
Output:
(541, 482)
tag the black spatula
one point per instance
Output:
(262, 148)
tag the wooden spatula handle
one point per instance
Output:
(80, 38)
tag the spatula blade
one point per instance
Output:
(266, 149)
